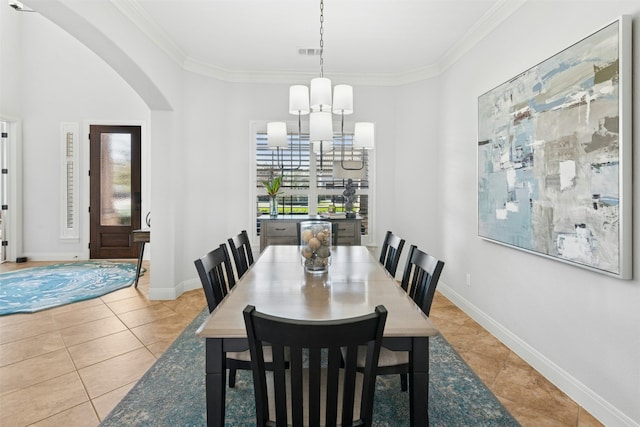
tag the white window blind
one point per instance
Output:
(311, 182)
(69, 227)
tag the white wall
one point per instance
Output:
(581, 329)
(10, 63)
(415, 186)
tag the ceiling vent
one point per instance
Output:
(303, 51)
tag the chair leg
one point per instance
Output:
(232, 377)
(403, 382)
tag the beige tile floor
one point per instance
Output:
(71, 365)
(528, 396)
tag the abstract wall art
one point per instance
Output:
(554, 155)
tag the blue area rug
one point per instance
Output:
(172, 392)
(38, 288)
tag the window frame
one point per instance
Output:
(313, 191)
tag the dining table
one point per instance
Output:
(354, 284)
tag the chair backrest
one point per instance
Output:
(342, 400)
(241, 251)
(216, 275)
(420, 278)
(335, 228)
(390, 253)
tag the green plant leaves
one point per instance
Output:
(273, 186)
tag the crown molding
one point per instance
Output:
(287, 77)
(500, 11)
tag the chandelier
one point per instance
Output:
(320, 106)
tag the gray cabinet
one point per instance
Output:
(283, 230)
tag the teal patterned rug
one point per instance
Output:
(172, 392)
(38, 288)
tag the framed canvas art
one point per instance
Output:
(554, 155)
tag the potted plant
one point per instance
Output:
(273, 186)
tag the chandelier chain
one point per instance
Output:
(321, 38)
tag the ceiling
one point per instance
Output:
(377, 41)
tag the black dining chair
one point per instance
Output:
(241, 252)
(335, 230)
(216, 276)
(311, 392)
(421, 275)
(390, 252)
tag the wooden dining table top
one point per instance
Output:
(354, 285)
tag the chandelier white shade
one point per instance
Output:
(277, 134)
(320, 94)
(320, 126)
(364, 135)
(343, 99)
(299, 100)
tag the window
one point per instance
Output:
(312, 183)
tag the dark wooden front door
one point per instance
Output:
(115, 190)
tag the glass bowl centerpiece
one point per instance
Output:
(315, 246)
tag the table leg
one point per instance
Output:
(215, 382)
(419, 382)
(139, 263)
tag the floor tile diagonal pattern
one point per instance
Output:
(72, 364)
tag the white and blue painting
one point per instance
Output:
(548, 156)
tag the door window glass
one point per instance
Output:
(115, 188)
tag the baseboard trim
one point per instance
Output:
(600, 408)
(54, 256)
(175, 292)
